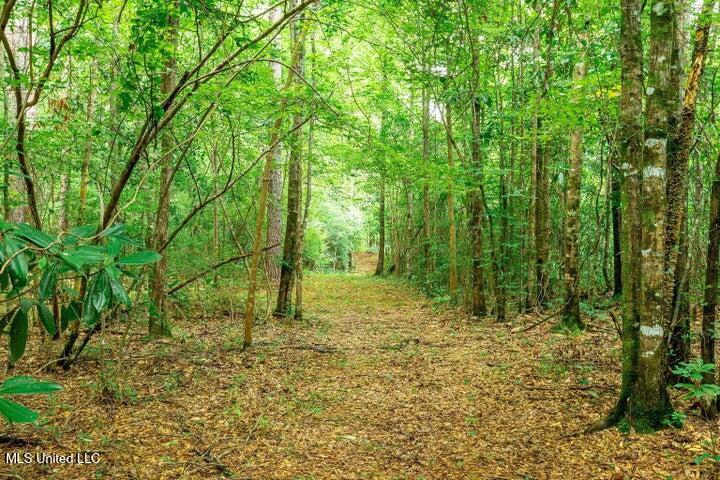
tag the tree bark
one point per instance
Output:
(630, 136)
(479, 308)
(615, 209)
(157, 323)
(380, 267)
(426, 188)
(709, 332)
(300, 267)
(676, 190)
(649, 399)
(452, 236)
(294, 198)
(274, 209)
(571, 311)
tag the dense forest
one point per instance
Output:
(328, 239)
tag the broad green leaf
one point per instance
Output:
(47, 318)
(89, 254)
(47, 283)
(69, 313)
(33, 235)
(119, 292)
(114, 247)
(140, 258)
(102, 293)
(79, 233)
(18, 264)
(18, 334)
(113, 230)
(16, 413)
(22, 385)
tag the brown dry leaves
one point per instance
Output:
(376, 385)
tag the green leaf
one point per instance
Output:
(22, 385)
(18, 264)
(119, 292)
(89, 254)
(16, 413)
(113, 230)
(69, 313)
(101, 293)
(79, 233)
(47, 318)
(114, 247)
(140, 258)
(18, 334)
(47, 283)
(34, 236)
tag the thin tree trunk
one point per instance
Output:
(426, 188)
(571, 311)
(542, 190)
(292, 224)
(157, 323)
(452, 237)
(380, 268)
(301, 233)
(479, 308)
(630, 135)
(274, 209)
(709, 332)
(88, 149)
(615, 209)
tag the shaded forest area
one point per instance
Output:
(313, 239)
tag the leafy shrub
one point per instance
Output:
(38, 271)
(694, 372)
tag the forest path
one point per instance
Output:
(375, 383)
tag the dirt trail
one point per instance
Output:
(375, 384)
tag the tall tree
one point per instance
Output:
(274, 208)
(293, 221)
(571, 311)
(157, 323)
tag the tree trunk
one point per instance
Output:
(452, 237)
(88, 149)
(274, 209)
(676, 190)
(426, 188)
(249, 314)
(615, 209)
(380, 268)
(571, 311)
(479, 308)
(650, 403)
(294, 198)
(157, 323)
(630, 135)
(542, 190)
(301, 233)
(709, 332)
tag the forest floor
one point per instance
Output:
(375, 383)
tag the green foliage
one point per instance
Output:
(14, 412)
(694, 372)
(38, 269)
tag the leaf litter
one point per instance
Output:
(376, 383)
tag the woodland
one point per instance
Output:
(359, 239)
